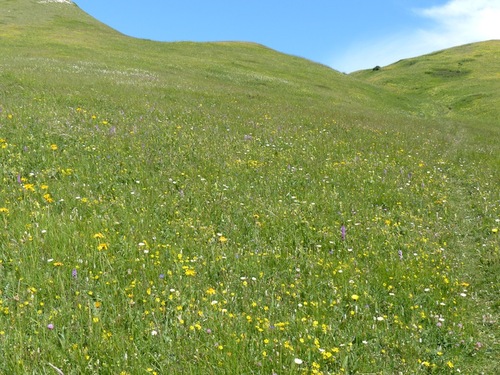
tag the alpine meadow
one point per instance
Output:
(223, 208)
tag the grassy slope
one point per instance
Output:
(178, 145)
(456, 83)
(64, 34)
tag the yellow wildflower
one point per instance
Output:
(190, 272)
(29, 187)
(102, 246)
(48, 198)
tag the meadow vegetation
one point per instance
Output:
(223, 208)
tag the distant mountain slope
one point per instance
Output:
(70, 50)
(456, 82)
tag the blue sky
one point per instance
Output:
(346, 35)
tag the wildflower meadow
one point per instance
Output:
(209, 222)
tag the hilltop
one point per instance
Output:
(457, 82)
(62, 38)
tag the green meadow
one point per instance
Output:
(222, 208)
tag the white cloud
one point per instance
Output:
(455, 23)
(464, 21)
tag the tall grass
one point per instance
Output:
(237, 219)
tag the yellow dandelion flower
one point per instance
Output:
(327, 355)
(354, 297)
(190, 272)
(48, 198)
(102, 246)
(210, 291)
(53, 147)
(97, 304)
(29, 187)
(495, 230)
(222, 239)
(99, 235)
(58, 264)
(4, 210)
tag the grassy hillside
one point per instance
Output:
(77, 48)
(223, 208)
(458, 82)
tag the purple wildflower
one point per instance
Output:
(400, 253)
(50, 326)
(74, 273)
(342, 232)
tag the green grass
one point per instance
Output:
(178, 207)
(457, 83)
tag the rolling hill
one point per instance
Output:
(194, 208)
(458, 82)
